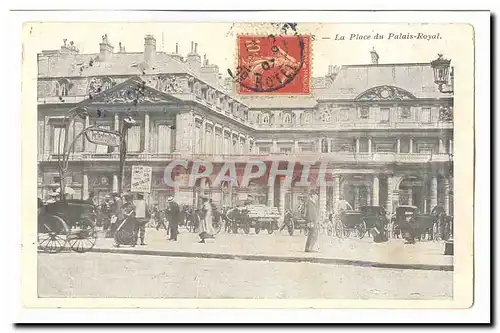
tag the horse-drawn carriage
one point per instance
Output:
(70, 222)
(191, 218)
(295, 221)
(412, 225)
(253, 216)
(368, 219)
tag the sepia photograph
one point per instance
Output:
(211, 161)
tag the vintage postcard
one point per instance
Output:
(248, 164)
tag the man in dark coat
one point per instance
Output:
(312, 220)
(173, 215)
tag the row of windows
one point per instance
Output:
(343, 115)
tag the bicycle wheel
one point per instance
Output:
(52, 233)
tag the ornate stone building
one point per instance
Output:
(384, 130)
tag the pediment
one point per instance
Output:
(133, 91)
(385, 93)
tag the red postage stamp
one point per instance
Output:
(274, 65)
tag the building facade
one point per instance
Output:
(384, 130)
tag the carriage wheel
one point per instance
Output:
(270, 228)
(246, 228)
(234, 227)
(257, 229)
(361, 229)
(329, 229)
(217, 225)
(52, 234)
(339, 229)
(83, 237)
(291, 226)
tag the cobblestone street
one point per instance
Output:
(121, 275)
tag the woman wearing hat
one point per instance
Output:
(206, 227)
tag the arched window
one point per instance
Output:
(107, 83)
(307, 118)
(197, 89)
(287, 119)
(62, 88)
(265, 119)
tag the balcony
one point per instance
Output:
(313, 157)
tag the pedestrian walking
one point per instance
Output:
(312, 221)
(125, 232)
(206, 229)
(173, 216)
(141, 216)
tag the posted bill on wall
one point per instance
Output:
(283, 165)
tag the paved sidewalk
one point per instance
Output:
(281, 247)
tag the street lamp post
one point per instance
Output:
(126, 124)
(443, 77)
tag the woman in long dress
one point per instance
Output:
(206, 229)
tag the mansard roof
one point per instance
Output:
(353, 80)
(83, 65)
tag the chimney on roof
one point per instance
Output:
(210, 72)
(375, 56)
(193, 58)
(121, 47)
(333, 71)
(105, 49)
(150, 50)
(68, 48)
(176, 54)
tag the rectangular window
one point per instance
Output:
(164, 139)
(58, 134)
(307, 147)
(134, 139)
(101, 149)
(218, 143)
(264, 150)
(425, 116)
(385, 115)
(286, 150)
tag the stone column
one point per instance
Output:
(322, 202)
(388, 204)
(275, 146)
(357, 145)
(451, 146)
(411, 145)
(203, 135)
(116, 126)
(296, 148)
(46, 138)
(410, 196)
(336, 189)
(441, 146)
(329, 142)
(214, 140)
(85, 186)
(446, 194)
(318, 145)
(356, 197)
(86, 142)
(115, 182)
(398, 146)
(375, 190)
(433, 192)
(116, 122)
(370, 145)
(270, 195)
(283, 191)
(146, 132)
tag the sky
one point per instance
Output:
(218, 40)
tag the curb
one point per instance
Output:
(315, 260)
